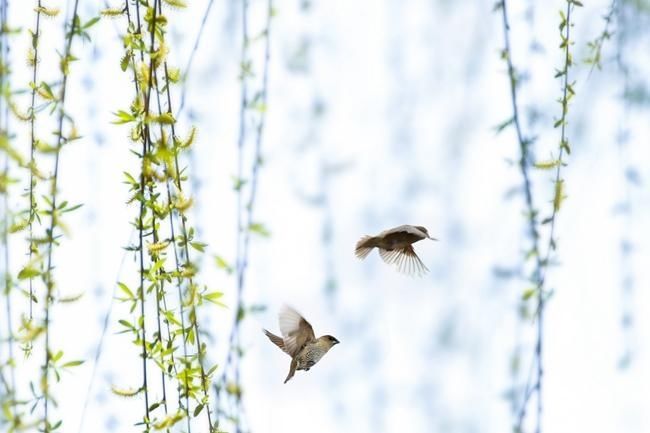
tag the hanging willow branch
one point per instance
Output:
(230, 380)
(525, 143)
(190, 60)
(160, 168)
(541, 261)
(74, 28)
(33, 60)
(595, 47)
(8, 399)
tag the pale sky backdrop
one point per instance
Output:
(380, 113)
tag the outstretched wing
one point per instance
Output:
(296, 331)
(406, 260)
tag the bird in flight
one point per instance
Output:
(299, 342)
(396, 247)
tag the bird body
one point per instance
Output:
(299, 342)
(396, 247)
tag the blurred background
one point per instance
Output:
(379, 114)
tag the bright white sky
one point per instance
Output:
(410, 93)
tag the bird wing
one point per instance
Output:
(278, 341)
(296, 331)
(406, 260)
(404, 229)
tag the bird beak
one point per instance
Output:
(335, 342)
(433, 239)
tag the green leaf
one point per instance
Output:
(126, 324)
(211, 370)
(223, 264)
(28, 272)
(130, 179)
(199, 246)
(528, 293)
(197, 410)
(57, 356)
(46, 92)
(214, 298)
(72, 363)
(503, 125)
(91, 23)
(123, 117)
(71, 209)
(70, 299)
(259, 229)
(238, 183)
(126, 290)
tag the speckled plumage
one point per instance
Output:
(299, 342)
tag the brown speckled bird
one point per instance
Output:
(299, 342)
(396, 247)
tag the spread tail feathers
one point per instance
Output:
(292, 370)
(364, 246)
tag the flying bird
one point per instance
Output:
(396, 247)
(299, 342)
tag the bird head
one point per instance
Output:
(426, 232)
(331, 341)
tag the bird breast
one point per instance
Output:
(310, 355)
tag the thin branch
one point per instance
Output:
(241, 139)
(244, 232)
(596, 46)
(541, 264)
(524, 144)
(567, 93)
(49, 283)
(184, 234)
(141, 227)
(191, 58)
(102, 337)
(32, 162)
(524, 164)
(4, 112)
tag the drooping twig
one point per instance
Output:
(190, 60)
(596, 46)
(100, 344)
(9, 385)
(244, 224)
(140, 227)
(541, 261)
(49, 282)
(32, 162)
(184, 234)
